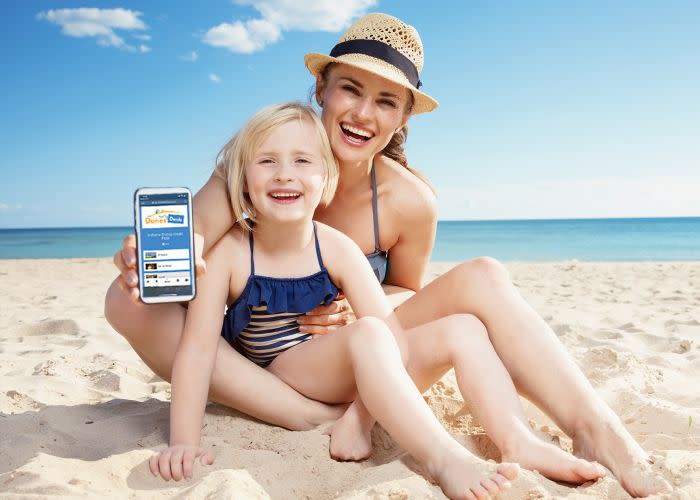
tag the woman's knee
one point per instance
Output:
(460, 331)
(483, 269)
(118, 307)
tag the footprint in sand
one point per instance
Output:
(52, 327)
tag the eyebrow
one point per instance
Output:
(358, 84)
(294, 153)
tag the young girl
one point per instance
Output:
(277, 264)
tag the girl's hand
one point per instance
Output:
(125, 260)
(176, 462)
(325, 319)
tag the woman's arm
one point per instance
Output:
(414, 211)
(193, 366)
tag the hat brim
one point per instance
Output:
(423, 103)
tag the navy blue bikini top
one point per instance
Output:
(280, 295)
(379, 258)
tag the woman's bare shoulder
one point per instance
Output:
(408, 194)
(332, 239)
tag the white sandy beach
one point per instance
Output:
(80, 414)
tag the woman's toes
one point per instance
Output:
(508, 470)
(480, 492)
(501, 481)
(490, 486)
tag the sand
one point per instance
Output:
(80, 414)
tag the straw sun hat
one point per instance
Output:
(385, 46)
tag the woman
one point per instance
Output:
(367, 89)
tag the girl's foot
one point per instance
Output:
(351, 437)
(461, 475)
(550, 461)
(609, 443)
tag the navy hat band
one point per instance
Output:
(380, 50)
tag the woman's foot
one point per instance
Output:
(552, 462)
(608, 442)
(351, 436)
(462, 475)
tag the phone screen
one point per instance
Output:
(165, 237)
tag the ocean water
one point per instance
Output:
(655, 239)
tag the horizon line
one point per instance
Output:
(562, 219)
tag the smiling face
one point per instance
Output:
(286, 173)
(361, 111)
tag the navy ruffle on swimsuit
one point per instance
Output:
(262, 322)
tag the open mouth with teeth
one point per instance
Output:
(285, 197)
(355, 135)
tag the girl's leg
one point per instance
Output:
(533, 354)
(154, 332)
(364, 358)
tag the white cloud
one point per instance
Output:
(284, 15)
(144, 48)
(214, 78)
(191, 56)
(98, 23)
(145, 38)
(243, 37)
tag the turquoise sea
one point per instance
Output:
(523, 240)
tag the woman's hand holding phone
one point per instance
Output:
(125, 260)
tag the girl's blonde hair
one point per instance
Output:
(239, 151)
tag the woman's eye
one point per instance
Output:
(350, 88)
(387, 102)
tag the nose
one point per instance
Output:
(285, 171)
(363, 109)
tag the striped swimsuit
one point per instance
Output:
(262, 322)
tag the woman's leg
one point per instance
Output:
(363, 358)
(154, 332)
(461, 341)
(533, 355)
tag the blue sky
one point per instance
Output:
(547, 109)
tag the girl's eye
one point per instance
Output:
(388, 102)
(352, 89)
(303, 160)
(265, 161)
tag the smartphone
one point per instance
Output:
(164, 244)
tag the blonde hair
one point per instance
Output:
(239, 151)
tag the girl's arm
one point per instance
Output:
(193, 366)
(211, 210)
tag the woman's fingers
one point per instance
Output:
(200, 267)
(129, 250)
(317, 329)
(325, 320)
(334, 307)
